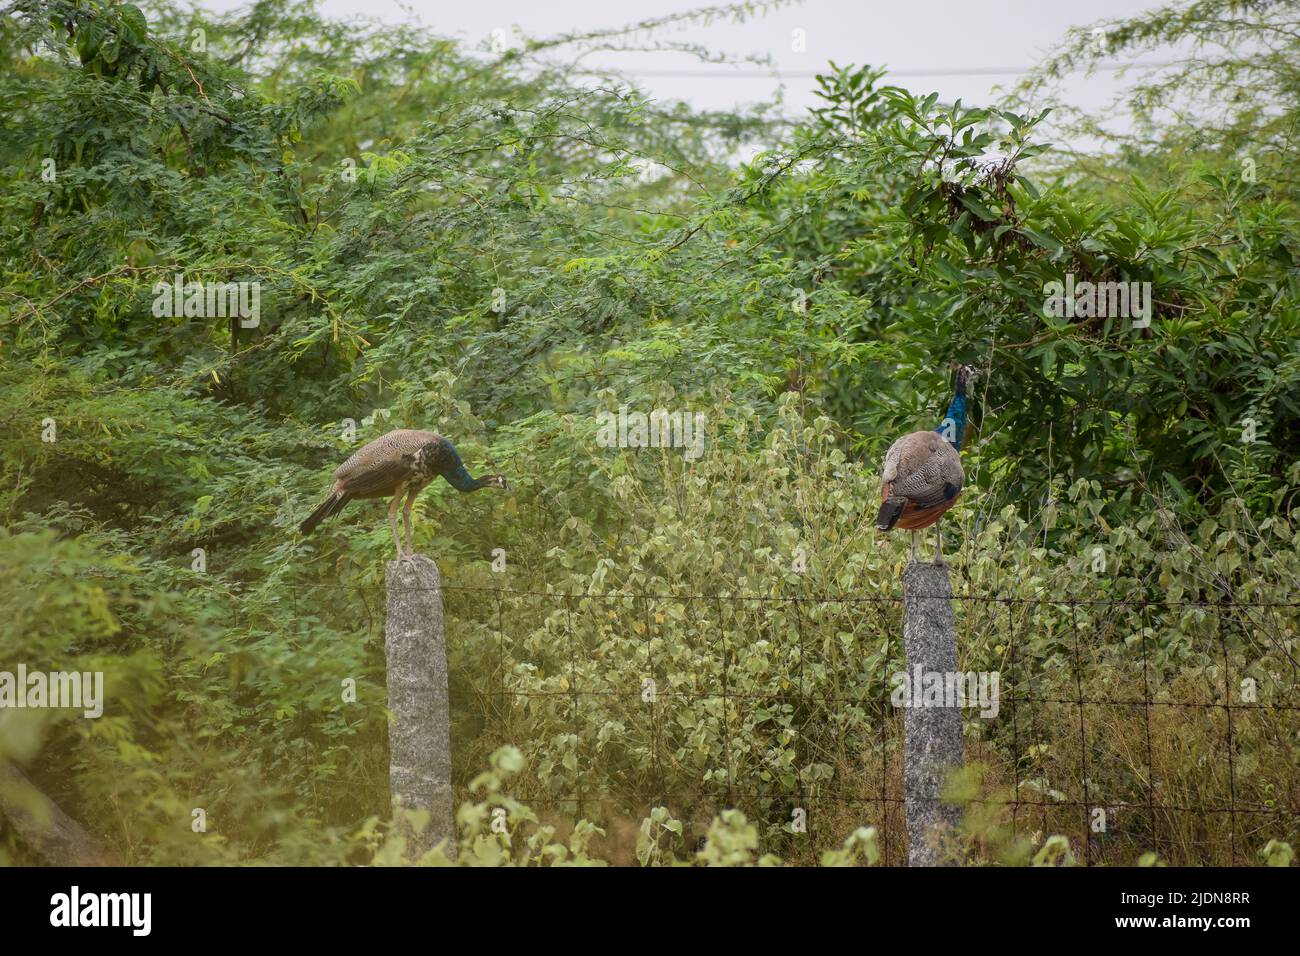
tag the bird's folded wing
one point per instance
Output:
(389, 447)
(379, 477)
(928, 485)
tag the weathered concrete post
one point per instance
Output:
(419, 738)
(931, 735)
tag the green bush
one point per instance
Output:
(450, 241)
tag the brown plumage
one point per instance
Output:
(399, 463)
(923, 477)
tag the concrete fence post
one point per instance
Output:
(932, 745)
(419, 736)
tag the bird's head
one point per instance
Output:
(966, 374)
(496, 481)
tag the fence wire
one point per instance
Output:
(1055, 761)
(1106, 821)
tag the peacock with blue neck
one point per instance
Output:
(953, 426)
(922, 474)
(399, 463)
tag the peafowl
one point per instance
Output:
(399, 463)
(923, 474)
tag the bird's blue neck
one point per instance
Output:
(953, 426)
(460, 479)
(441, 458)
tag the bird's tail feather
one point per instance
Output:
(889, 514)
(328, 508)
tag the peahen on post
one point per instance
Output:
(399, 463)
(923, 475)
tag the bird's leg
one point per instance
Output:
(912, 556)
(392, 523)
(406, 520)
(938, 544)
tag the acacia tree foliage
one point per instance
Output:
(498, 246)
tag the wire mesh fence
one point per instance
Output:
(1128, 725)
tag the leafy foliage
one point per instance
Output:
(500, 248)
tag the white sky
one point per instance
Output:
(929, 41)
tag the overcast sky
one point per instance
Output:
(951, 46)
